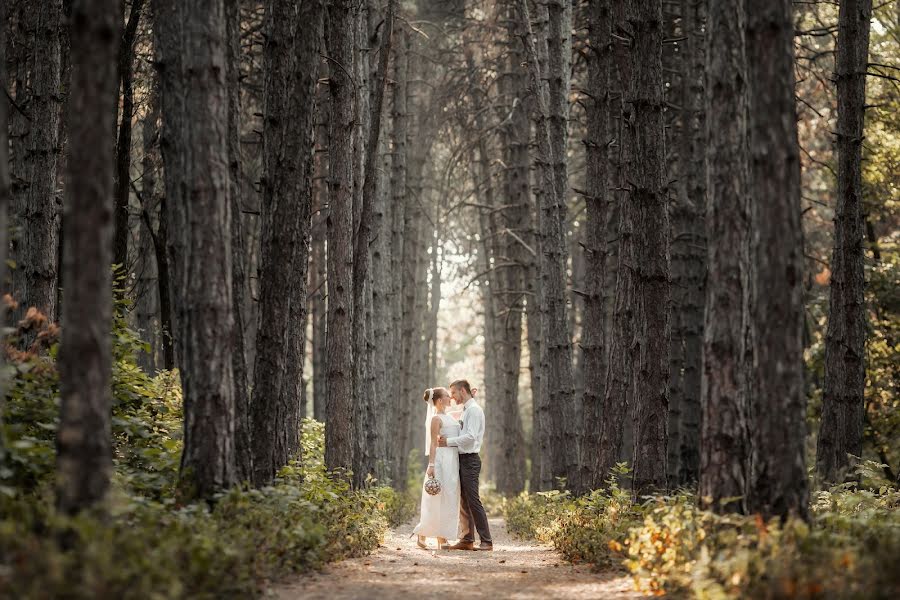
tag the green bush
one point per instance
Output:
(850, 549)
(148, 549)
(148, 545)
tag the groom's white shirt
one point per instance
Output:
(469, 439)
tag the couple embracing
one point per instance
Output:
(455, 512)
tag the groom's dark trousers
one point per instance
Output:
(471, 512)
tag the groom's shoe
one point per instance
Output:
(462, 545)
(483, 547)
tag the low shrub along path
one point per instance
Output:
(516, 569)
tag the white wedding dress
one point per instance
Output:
(440, 513)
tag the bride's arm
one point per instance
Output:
(435, 432)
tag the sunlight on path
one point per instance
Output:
(515, 569)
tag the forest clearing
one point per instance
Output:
(592, 298)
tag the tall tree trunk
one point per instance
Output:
(123, 147)
(243, 421)
(291, 53)
(693, 148)
(597, 142)
(84, 443)
(367, 444)
(510, 460)
(192, 43)
(36, 252)
(840, 434)
(560, 378)
(148, 308)
(554, 325)
(777, 484)
(399, 135)
(646, 213)
(318, 310)
(5, 189)
(340, 406)
(725, 436)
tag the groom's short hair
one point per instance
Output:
(462, 384)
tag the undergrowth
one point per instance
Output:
(849, 549)
(148, 544)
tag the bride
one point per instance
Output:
(440, 513)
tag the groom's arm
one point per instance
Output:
(466, 439)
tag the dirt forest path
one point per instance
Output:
(516, 569)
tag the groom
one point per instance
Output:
(471, 512)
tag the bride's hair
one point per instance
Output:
(435, 394)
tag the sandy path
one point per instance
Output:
(515, 569)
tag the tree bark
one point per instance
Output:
(402, 408)
(318, 308)
(646, 213)
(777, 484)
(36, 252)
(725, 435)
(364, 463)
(554, 324)
(841, 430)
(123, 146)
(84, 444)
(192, 42)
(597, 141)
(239, 290)
(291, 55)
(340, 406)
(695, 255)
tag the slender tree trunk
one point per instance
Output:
(510, 462)
(340, 405)
(192, 41)
(560, 379)
(364, 463)
(841, 431)
(402, 407)
(239, 290)
(123, 147)
(597, 142)
(5, 189)
(319, 313)
(693, 147)
(725, 436)
(148, 300)
(291, 52)
(36, 252)
(554, 324)
(84, 443)
(646, 213)
(777, 484)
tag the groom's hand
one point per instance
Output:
(442, 441)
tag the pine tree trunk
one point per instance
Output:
(777, 484)
(841, 431)
(243, 421)
(725, 436)
(693, 147)
(84, 444)
(291, 55)
(36, 207)
(318, 266)
(399, 135)
(367, 443)
(597, 141)
(123, 146)
(192, 44)
(554, 324)
(148, 302)
(646, 215)
(5, 189)
(340, 405)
